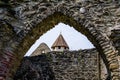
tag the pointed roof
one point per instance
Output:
(60, 41)
(40, 48)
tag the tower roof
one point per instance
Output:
(60, 41)
(40, 48)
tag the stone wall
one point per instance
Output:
(115, 37)
(68, 65)
(28, 20)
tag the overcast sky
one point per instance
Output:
(74, 39)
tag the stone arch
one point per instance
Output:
(100, 41)
(62, 13)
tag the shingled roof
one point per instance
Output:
(60, 41)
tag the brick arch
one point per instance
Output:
(21, 43)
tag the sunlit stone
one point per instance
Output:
(82, 10)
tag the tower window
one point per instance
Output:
(59, 47)
(43, 51)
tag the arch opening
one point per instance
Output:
(74, 39)
(47, 24)
(70, 35)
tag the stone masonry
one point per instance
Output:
(68, 65)
(21, 23)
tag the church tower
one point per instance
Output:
(60, 44)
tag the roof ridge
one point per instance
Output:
(60, 41)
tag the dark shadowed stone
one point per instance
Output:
(66, 65)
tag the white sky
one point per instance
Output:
(74, 39)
